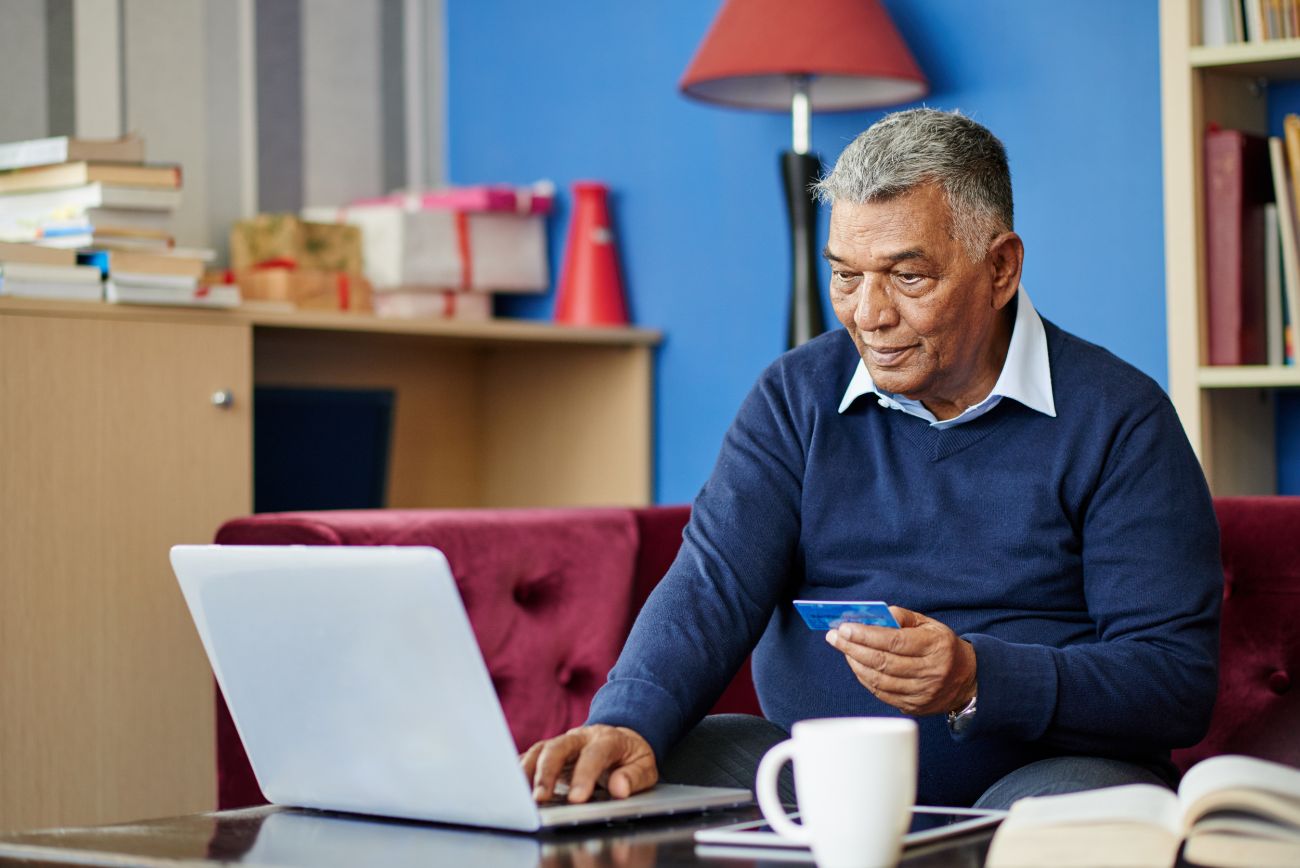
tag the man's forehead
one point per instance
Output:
(902, 227)
(889, 240)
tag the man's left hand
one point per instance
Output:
(921, 668)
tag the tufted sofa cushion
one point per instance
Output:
(550, 593)
(660, 531)
(1257, 711)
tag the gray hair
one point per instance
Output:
(907, 149)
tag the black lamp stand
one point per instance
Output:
(800, 172)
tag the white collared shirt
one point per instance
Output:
(1026, 376)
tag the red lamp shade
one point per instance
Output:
(849, 48)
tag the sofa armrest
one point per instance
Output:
(660, 531)
(1257, 711)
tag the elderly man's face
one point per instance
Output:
(929, 323)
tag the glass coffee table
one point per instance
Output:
(270, 835)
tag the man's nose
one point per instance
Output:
(875, 306)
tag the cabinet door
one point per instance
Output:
(111, 451)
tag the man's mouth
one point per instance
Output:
(889, 356)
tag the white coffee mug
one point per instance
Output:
(855, 779)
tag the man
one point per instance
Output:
(1027, 501)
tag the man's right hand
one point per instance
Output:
(614, 757)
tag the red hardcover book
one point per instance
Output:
(1238, 184)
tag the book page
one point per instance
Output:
(1244, 783)
(1114, 845)
(1262, 805)
(1134, 803)
(1233, 823)
(1242, 842)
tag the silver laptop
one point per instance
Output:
(356, 684)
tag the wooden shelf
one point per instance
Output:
(1227, 412)
(1277, 58)
(1248, 377)
(490, 331)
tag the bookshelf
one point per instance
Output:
(1228, 412)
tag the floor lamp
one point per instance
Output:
(803, 56)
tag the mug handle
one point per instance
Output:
(769, 802)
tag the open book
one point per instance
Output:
(1231, 810)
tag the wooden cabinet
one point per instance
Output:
(111, 450)
(115, 445)
(1228, 412)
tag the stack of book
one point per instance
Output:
(32, 271)
(100, 198)
(1227, 21)
(68, 192)
(135, 277)
(1252, 230)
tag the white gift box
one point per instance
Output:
(438, 241)
(435, 304)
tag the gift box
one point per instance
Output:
(315, 266)
(332, 247)
(288, 240)
(434, 304)
(306, 288)
(538, 199)
(490, 239)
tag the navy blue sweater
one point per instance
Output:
(1078, 554)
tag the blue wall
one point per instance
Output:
(569, 90)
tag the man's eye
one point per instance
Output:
(910, 282)
(845, 276)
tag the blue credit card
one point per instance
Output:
(828, 614)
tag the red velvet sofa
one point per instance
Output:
(552, 593)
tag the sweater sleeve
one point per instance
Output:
(710, 609)
(1153, 586)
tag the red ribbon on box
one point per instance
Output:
(343, 287)
(282, 262)
(463, 245)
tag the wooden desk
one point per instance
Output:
(111, 451)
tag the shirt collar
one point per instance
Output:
(1026, 374)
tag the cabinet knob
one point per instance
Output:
(223, 398)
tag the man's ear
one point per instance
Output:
(1005, 257)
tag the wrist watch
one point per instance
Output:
(958, 721)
